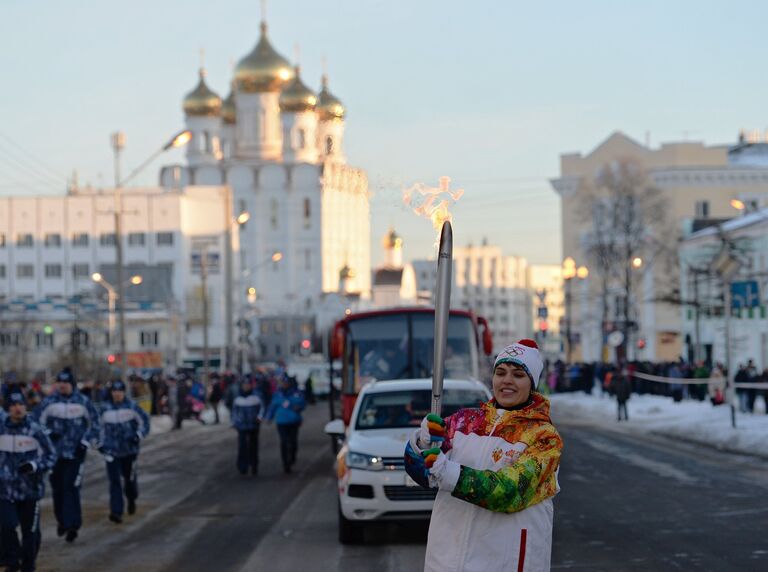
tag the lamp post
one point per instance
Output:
(118, 143)
(569, 271)
(252, 294)
(726, 266)
(112, 295)
(232, 227)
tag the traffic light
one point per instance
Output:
(641, 343)
(305, 347)
(543, 327)
(111, 359)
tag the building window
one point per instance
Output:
(9, 339)
(80, 271)
(79, 339)
(164, 239)
(107, 239)
(149, 339)
(301, 139)
(702, 209)
(2, 270)
(80, 239)
(307, 213)
(53, 240)
(25, 271)
(25, 241)
(53, 270)
(329, 145)
(136, 239)
(44, 340)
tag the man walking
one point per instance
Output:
(247, 411)
(72, 424)
(26, 453)
(123, 425)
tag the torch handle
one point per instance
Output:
(442, 313)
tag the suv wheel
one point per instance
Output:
(350, 532)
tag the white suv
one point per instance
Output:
(372, 481)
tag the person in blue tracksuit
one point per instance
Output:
(123, 425)
(285, 409)
(247, 411)
(72, 423)
(26, 453)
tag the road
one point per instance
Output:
(627, 504)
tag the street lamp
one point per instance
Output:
(112, 295)
(569, 272)
(251, 292)
(118, 143)
(738, 205)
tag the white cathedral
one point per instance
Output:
(280, 147)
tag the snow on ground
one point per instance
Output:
(692, 421)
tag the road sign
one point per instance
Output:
(745, 294)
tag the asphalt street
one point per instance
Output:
(627, 504)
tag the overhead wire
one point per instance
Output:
(52, 172)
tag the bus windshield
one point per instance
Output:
(401, 346)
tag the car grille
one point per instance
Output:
(393, 463)
(402, 493)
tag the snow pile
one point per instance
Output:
(688, 420)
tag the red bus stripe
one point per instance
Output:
(521, 558)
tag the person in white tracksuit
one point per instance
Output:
(496, 470)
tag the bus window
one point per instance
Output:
(382, 346)
(461, 352)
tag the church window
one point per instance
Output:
(329, 145)
(301, 139)
(273, 213)
(207, 144)
(307, 213)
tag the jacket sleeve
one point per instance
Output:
(144, 418)
(47, 454)
(298, 403)
(414, 462)
(94, 423)
(530, 480)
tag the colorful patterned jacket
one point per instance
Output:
(123, 426)
(71, 422)
(21, 443)
(499, 515)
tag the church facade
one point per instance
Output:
(280, 147)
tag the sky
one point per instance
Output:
(489, 93)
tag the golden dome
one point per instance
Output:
(228, 113)
(329, 107)
(392, 240)
(263, 69)
(297, 96)
(202, 101)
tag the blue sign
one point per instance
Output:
(745, 294)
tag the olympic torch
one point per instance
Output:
(442, 313)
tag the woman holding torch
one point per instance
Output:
(496, 470)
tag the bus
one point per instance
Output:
(399, 344)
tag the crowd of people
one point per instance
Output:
(47, 430)
(621, 381)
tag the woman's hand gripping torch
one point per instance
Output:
(442, 313)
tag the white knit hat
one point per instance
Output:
(524, 353)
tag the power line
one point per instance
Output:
(27, 171)
(51, 171)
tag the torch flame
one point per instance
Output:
(432, 203)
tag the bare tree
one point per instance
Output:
(628, 236)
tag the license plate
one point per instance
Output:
(409, 482)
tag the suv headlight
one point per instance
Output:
(365, 462)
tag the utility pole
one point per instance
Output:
(118, 143)
(204, 286)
